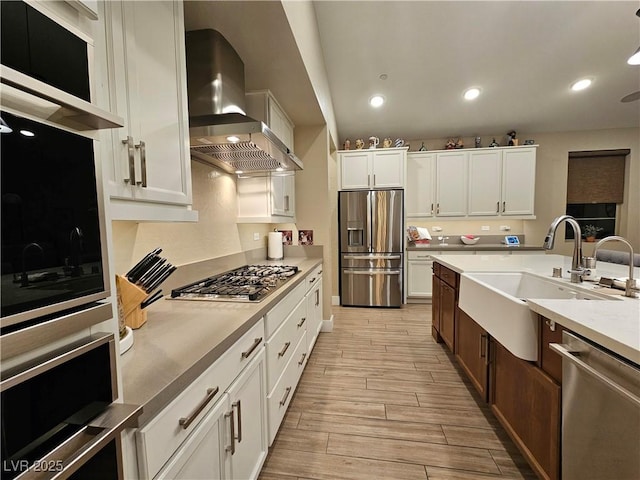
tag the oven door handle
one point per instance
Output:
(102, 430)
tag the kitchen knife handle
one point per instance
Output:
(143, 163)
(132, 162)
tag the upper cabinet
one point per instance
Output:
(373, 168)
(482, 182)
(266, 199)
(262, 105)
(148, 167)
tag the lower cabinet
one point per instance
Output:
(472, 352)
(444, 306)
(548, 360)
(314, 307)
(527, 402)
(216, 428)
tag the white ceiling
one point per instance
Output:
(523, 55)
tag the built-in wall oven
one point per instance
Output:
(58, 415)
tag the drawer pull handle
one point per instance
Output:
(186, 421)
(482, 351)
(255, 345)
(304, 355)
(284, 349)
(238, 406)
(131, 158)
(304, 319)
(231, 448)
(286, 395)
(312, 280)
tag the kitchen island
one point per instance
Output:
(487, 311)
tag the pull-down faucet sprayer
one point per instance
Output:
(576, 262)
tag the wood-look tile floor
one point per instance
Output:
(380, 400)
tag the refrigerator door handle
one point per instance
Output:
(372, 257)
(372, 272)
(369, 231)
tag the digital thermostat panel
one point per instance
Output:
(511, 240)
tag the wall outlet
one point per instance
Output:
(436, 229)
(505, 228)
(256, 236)
(485, 228)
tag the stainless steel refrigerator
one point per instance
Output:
(371, 247)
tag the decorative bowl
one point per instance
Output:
(469, 239)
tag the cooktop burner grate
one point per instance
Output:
(250, 283)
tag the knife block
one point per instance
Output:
(130, 296)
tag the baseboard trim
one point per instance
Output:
(327, 325)
(335, 300)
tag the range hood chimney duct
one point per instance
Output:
(220, 132)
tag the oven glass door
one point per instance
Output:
(52, 248)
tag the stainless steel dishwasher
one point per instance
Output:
(600, 413)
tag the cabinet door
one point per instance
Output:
(248, 395)
(527, 403)
(485, 171)
(549, 360)
(280, 124)
(283, 195)
(435, 305)
(472, 350)
(148, 88)
(314, 314)
(447, 314)
(451, 184)
(388, 168)
(419, 273)
(354, 169)
(420, 184)
(202, 456)
(518, 181)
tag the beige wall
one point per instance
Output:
(215, 234)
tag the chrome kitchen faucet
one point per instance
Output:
(577, 271)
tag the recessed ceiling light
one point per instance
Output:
(635, 58)
(471, 93)
(233, 139)
(581, 84)
(238, 172)
(27, 133)
(376, 101)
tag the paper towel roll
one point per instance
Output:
(274, 247)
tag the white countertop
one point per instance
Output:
(614, 324)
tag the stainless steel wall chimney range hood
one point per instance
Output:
(220, 132)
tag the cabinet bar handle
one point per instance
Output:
(286, 203)
(437, 209)
(143, 163)
(256, 342)
(304, 355)
(286, 395)
(301, 322)
(284, 349)
(497, 207)
(483, 351)
(503, 206)
(132, 163)
(231, 448)
(186, 421)
(317, 297)
(312, 280)
(238, 405)
(374, 179)
(432, 209)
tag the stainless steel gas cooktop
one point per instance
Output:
(251, 283)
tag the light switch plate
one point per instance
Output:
(256, 236)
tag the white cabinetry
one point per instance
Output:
(518, 181)
(451, 184)
(261, 105)
(266, 199)
(420, 186)
(373, 168)
(314, 306)
(216, 428)
(485, 182)
(148, 163)
(419, 273)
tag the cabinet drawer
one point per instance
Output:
(449, 276)
(413, 255)
(282, 343)
(313, 278)
(279, 399)
(159, 438)
(280, 312)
